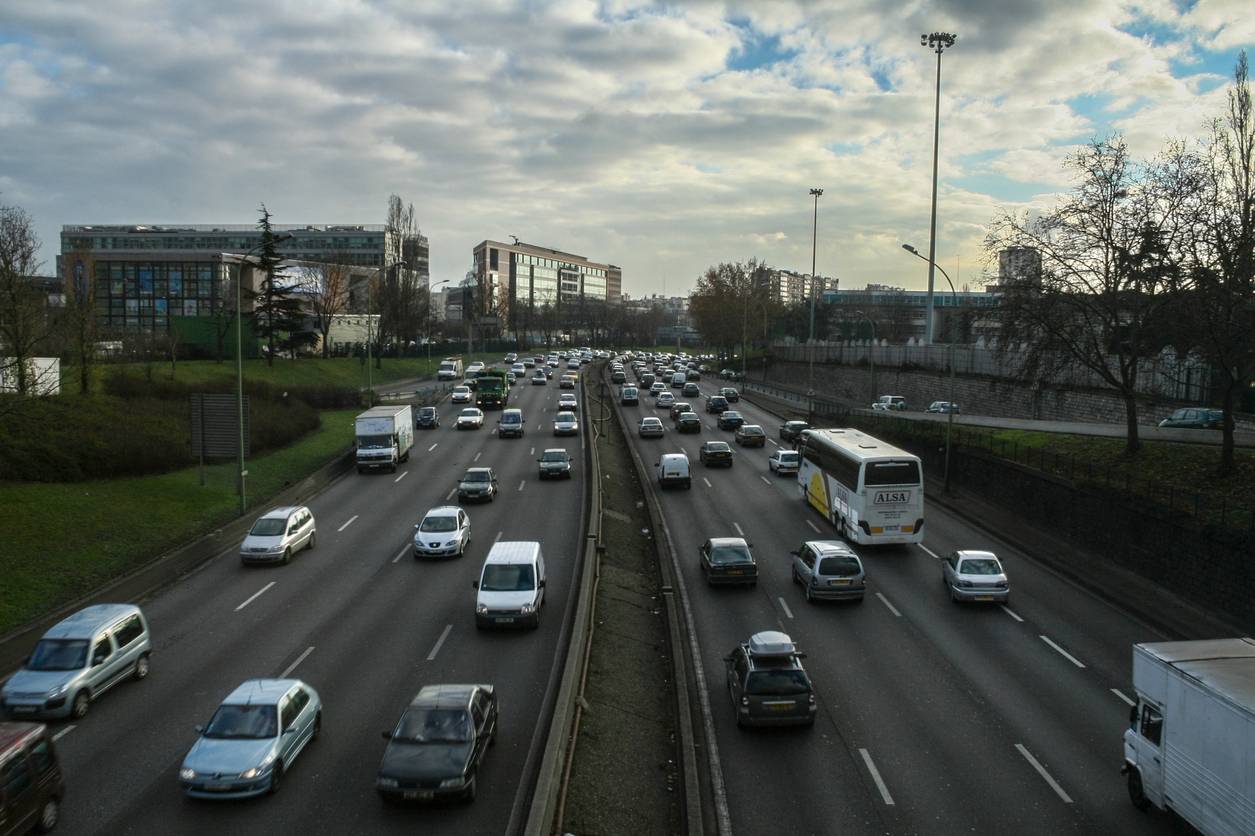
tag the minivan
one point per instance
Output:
(278, 534)
(511, 586)
(511, 424)
(79, 659)
(30, 796)
(673, 469)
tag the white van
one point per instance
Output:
(673, 469)
(511, 586)
(450, 369)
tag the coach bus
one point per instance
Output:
(871, 491)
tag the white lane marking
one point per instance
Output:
(814, 527)
(1121, 695)
(432, 447)
(891, 607)
(439, 642)
(477, 455)
(254, 596)
(1063, 652)
(773, 441)
(402, 476)
(63, 732)
(931, 553)
(765, 480)
(785, 607)
(738, 529)
(707, 481)
(521, 484)
(298, 661)
(533, 452)
(498, 537)
(347, 524)
(401, 553)
(880, 782)
(1041, 770)
(450, 494)
(1011, 613)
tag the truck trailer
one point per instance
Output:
(1190, 745)
(385, 435)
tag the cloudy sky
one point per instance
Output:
(662, 138)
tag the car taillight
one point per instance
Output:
(745, 701)
(810, 698)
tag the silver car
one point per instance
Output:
(252, 739)
(783, 461)
(829, 570)
(79, 659)
(278, 534)
(974, 576)
(565, 423)
(444, 531)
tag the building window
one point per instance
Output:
(492, 258)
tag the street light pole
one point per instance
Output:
(938, 42)
(810, 340)
(949, 360)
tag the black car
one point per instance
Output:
(715, 453)
(767, 683)
(479, 483)
(732, 395)
(427, 419)
(716, 404)
(688, 422)
(555, 463)
(730, 420)
(792, 430)
(1195, 418)
(728, 560)
(437, 747)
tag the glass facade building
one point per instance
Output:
(517, 280)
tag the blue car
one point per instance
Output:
(252, 739)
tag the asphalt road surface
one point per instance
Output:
(933, 717)
(367, 626)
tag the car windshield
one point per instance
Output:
(470, 413)
(441, 523)
(558, 456)
(508, 577)
(730, 554)
(433, 725)
(565, 416)
(979, 566)
(58, 655)
(427, 412)
(778, 683)
(374, 442)
(477, 476)
(841, 567)
(891, 473)
(269, 527)
(242, 722)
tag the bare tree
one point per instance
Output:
(326, 285)
(24, 323)
(78, 317)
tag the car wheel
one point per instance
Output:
(312, 538)
(287, 556)
(141, 666)
(276, 778)
(49, 815)
(1136, 794)
(82, 702)
(471, 788)
(317, 727)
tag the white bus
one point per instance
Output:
(871, 491)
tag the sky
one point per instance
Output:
(663, 138)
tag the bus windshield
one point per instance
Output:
(891, 473)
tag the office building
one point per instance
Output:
(515, 281)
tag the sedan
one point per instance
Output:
(555, 463)
(657, 388)
(1195, 418)
(783, 461)
(567, 401)
(438, 745)
(792, 430)
(665, 401)
(688, 422)
(252, 740)
(731, 394)
(479, 483)
(460, 394)
(444, 531)
(650, 427)
(715, 453)
(943, 407)
(716, 404)
(751, 435)
(565, 423)
(974, 576)
(679, 408)
(539, 378)
(730, 419)
(728, 560)
(471, 418)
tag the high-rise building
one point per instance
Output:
(1019, 265)
(788, 287)
(515, 281)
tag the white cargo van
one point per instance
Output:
(511, 424)
(511, 586)
(673, 469)
(450, 369)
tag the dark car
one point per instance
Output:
(716, 404)
(479, 483)
(31, 785)
(728, 560)
(679, 408)
(427, 419)
(730, 419)
(715, 453)
(751, 435)
(792, 430)
(555, 463)
(1195, 418)
(438, 745)
(768, 684)
(731, 394)
(688, 422)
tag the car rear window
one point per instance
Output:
(979, 566)
(777, 683)
(730, 554)
(841, 567)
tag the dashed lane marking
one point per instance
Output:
(298, 661)
(1063, 652)
(1041, 770)
(254, 596)
(891, 607)
(347, 524)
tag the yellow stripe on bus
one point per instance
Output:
(817, 494)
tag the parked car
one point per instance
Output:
(751, 435)
(792, 430)
(767, 683)
(278, 534)
(974, 576)
(715, 453)
(784, 461)
(436, 748)
(716, 404)
(650, 427)
(555, 463)
(427, 418)
(443, 531)
(891, 403)
(567, 401)
(829, 570)
(252, 740)
(728, 560)
(1195, 418)
(32, 772)
(77, 661)
(730, 419)
(732, 395)
(460, 394)
(679, 408)
(943, 407)
(479, 483)
(565, 423)
(471, 418)
(688, 422)
(630, 396)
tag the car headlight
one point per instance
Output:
(481, 609)
(451, 543)
(452, 782)
(59, 690)
(388, 783)
(186, 774)
(526, 609)
(250, 773)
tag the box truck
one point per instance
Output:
(450, 369)
(1190, 745)
(385, 435)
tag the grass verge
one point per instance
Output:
(63, 540)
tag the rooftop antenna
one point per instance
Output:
(516, 239)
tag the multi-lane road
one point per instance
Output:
(364, 623)
(933, 717)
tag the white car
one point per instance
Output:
(565, 423)
(444, 531)
(783, 461)
(519, 369)
(567, 401)
(666, 400)
(477, 366)
(460, 394)
(573, 365)
(470, 418)
(539, 378)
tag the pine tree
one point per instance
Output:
(277, 314)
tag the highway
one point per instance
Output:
(933, 717)
(367, 626)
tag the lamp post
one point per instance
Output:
(949, 358)
(810, 340)
(938, 42)
(871, 356)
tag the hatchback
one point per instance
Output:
(278, 534)
(471, 418)
(1195, 418)
(555, 463)
(444, 531)
(436, 748)
(479, 483)
(567, 401)
(730, 419)
(751, 435)
(657, 388)
(427, 418)
(974, 576)
(539, 378)
(731, 394)
(650, 427)
(565, 423)
(460, 394)
(716, 404)
(715, 453)
(252, 739)
(783, 461)
(829, 569)
(728, 560)
(767, 683)
(691, 390)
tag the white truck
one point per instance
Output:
(450, 369)
(1191, 733)
(385, 435)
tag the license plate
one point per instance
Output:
(507, 620)
(217, 787)
(984, 597)
(786, 707)
(839, 583)
(417, 794)
(736, 572)
(22, 709)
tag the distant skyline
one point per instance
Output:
(662, 138)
